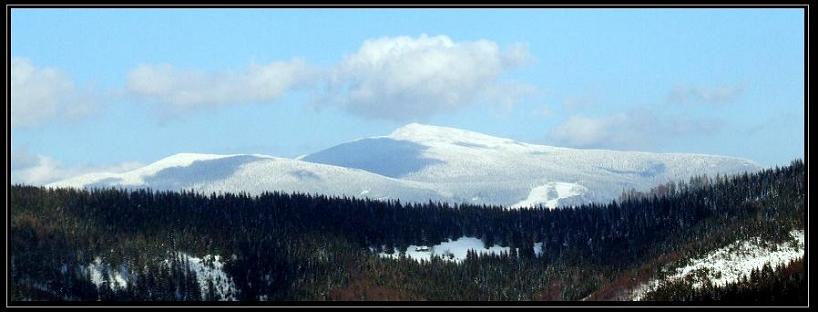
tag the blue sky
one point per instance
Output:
(109, 89)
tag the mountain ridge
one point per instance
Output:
(419, 162)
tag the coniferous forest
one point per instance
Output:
(783, 284)
(302, 247)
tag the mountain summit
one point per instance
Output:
(421, 162)
(420, 132)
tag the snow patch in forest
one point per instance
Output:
(207, 268)
(211, 267)
(730, 263)
(550, 194)
(538, 249)
(115, 278)
(450, 250)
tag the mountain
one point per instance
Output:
(479, 168)
(255, 174)
(418, 163)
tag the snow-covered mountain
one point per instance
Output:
(421, 162)
(255, 174)
(478, 168)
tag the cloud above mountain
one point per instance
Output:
(393, 78)
(634, 129)
(40, 95)
(35, 169)
(183, 89)
(405, 78)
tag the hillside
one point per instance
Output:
(279, 246)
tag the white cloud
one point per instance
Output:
(185, 89)
(396, 78)
(27, 168)
(40, 95)
(581, 131)
(705, 95)
(401, 78)
(629, 130)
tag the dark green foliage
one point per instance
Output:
(312, 247)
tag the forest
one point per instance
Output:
(310, 247)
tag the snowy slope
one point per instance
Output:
(730, 263)
(117, 278)
(550, 194)
(207, 268)
(420, 163)
(141, 176)
(255, 174)
(480, 168)
(210, 268)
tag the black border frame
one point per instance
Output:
(729, 4)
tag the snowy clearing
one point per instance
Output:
(453, 250)
(450, 250)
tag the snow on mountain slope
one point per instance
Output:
(730, 263)
(550, 194)
(209, 269)
(298, 176)
(420, 163)
(137, 177)
(116, 278)
(479, 168)
(255, 174)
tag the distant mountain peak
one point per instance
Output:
(425, 133)
(184, 159)
(418, 128)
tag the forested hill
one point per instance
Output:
(279, 246)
